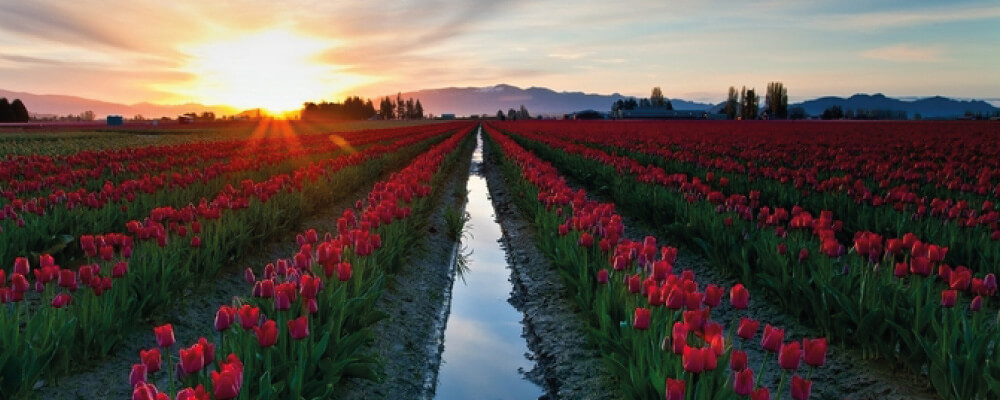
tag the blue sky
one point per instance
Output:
(144, 50)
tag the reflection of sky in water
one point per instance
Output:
(483, 347)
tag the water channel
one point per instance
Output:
(484, 352)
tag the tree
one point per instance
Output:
(750, 104)
(776, 100)
(6, 113)
(138, 117)
(88, 115)
(400, 106)
(834, 112)
(19, 111)
(410, 109)
(523, 113)
(656, 98)
(418, 109)
(386, 109)
(512, 114)
(797, 113)
(500, 115)
(732, 103)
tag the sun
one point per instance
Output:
(276, 70)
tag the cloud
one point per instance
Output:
(904, 53)
(948, 13)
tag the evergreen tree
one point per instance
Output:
(400, 106)
(732, 103)
(418, 109)
(776, 100)
(656, 98)
(6, 113)
(410, 109)
(20, 111)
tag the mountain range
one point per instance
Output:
(61, 105)
(463, 101)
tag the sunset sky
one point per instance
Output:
(278, 54)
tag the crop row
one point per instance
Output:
(893, 297)
(68, 314)
(308, 316)
(653, 324)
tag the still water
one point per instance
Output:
(483, 348)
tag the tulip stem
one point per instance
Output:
(781, 384)
(762, 365)
(170, 373)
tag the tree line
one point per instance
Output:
(13, 111)
(514, 115)
(356, 108)
(745, 104)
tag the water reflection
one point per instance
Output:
(483, 348)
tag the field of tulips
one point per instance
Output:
(882, 236)
(167, 219)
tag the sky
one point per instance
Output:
(247, 52)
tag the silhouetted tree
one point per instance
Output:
(418, 109)
(500, 115)
(834, 112)
(732, 103)
(776, 100)
(656, 97)
(386, 109)
(523, 113)
(749, 104)
(6, 113)
(410, 109)
(797, 113)
(512, 114)
(20, 111)
(353, 108)
(400, 106)
(88, 115)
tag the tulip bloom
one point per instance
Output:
(267, 334)
(249, 316)
(948, 298)
(641, 319)
(748, 328)
(739, 296)
(602, 276)
(299, 328)
(772, 338)
(151, 359)
(743, 385)
(761, 394)
(815, 351)
(692, 360)
(738, 360)
(713, 295)
(198, 393)
(144, 391)
(164, 335)
(344, 272)
(137, 375)
(801, 388)
(790, 356)
(224, 318)
(976, 304)
(675, 389)
(192, 359)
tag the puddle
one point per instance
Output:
(484, 353)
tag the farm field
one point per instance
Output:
(648, 260)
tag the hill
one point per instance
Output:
(930, 107)
(51, 104)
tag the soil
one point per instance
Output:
(410, 341)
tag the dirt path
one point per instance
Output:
(410, 341)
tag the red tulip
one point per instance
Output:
(281, 301)
(761, 394)
(920, 266)
(151, 359)
(224, 318)
(309, 286)
(137, 375)
(782, 248)
(772, 338)
(21, 266)
(990, 283)
(801, 388)
(267, 334)
(692, 360)
(192, 359)
(748, 328)
(901, 270)
(790, 356)
(803, 254)
(208, 348)
(164, 335)
(344, 271)
(641, 319)
(738, 360)
(248, 276)
(602, 276)
(312, 306)
(198, 393)
(713, 295)
(709, 358)
(634, 284)
(144, 391)
(948, 298)
(675, 389)
(61, 300)
(661, 269)
(815, 351)
(226, 382)
(676, 298)
(299, 328)
(249, 316)
(739, 296)
(743, 385)
(196, 241)
(976, 304)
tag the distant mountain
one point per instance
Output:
(489, 99)
(50, 104)
(930, 107)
